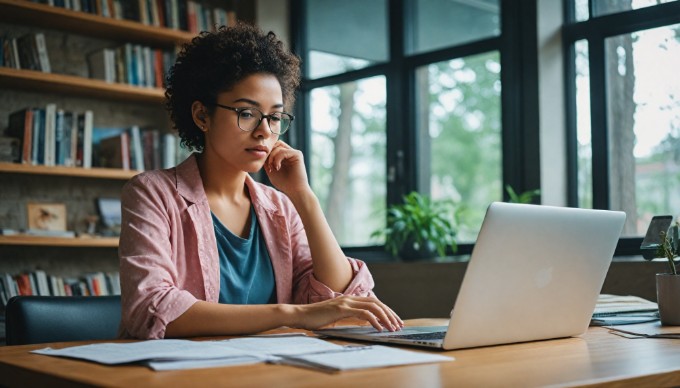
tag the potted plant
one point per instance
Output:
(668, 284)
(420, 227)
(525, 197)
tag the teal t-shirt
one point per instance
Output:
(246, 273)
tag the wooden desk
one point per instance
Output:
(597, 358)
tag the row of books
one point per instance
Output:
(187, 15)
(55, 137)
(40, 283)
(132, 64)
(52, 137)
(28, 52)
(136, 148)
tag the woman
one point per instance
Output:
(204, 249)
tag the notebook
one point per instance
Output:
(535, 273)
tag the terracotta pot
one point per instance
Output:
(668, 298)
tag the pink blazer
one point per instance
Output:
(168, 253)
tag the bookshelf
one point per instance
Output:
(85, 242)
(116, 104)
(42, 15)
(94, 172)
(79, 86)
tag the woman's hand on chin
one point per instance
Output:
(285, 168)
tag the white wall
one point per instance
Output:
(551, 104)
(272, 15)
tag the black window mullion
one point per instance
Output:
(401, 158)
(598, 124)
(519, 96)
(571, 125)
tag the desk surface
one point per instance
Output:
(596, 358)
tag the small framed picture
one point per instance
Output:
(110, 215)
(47, 216)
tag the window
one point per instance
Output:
(345, 35)
(626, 95)
(410, 95)
(348, 156)
(460, 134)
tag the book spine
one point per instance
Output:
(87, 139)
(50, 129)
(38, 132)
(136, 149)
(42, 53)
(125, 150)
(59, 138)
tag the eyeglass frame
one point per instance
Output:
(264, 116)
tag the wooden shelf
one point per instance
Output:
(95, 172)
(97, 242)
(25, 12)
(68, 84)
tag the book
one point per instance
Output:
(43, 58)
(114, 152)
(41, 282)
(151, 148)
(59, 138)
(102, 64)
(28, 52)
(24, 284)
(136, 149)
(50, 134)
(20, 126)
(70, 138)
(84, 139)
(38, 136)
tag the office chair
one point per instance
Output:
(40, 319)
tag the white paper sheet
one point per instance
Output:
(362, 357)
(293, 350)
(120, 353)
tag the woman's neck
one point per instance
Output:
(221, 183)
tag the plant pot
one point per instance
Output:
(668, 298)
(409, 252)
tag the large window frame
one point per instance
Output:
(517, 47)
(596, 30)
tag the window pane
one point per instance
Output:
(345, 35)
(347, 166)
(605, 7)
(444, 23)
(643, 94)
(460, 134)
(584, 146)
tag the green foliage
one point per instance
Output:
(421, 220)
(669, 247)
(525, 197)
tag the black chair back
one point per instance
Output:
(41, 319)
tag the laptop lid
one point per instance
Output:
(535, 273)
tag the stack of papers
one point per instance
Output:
(297, 349)
(623, 310)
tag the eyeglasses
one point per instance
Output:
(250, 118)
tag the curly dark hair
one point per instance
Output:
(215, 62)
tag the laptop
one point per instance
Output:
(535, 273)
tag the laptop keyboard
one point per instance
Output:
(437, 335)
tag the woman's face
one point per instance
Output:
(238, 149)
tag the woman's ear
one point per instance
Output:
(200, 115)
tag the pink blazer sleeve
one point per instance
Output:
(148, 266)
